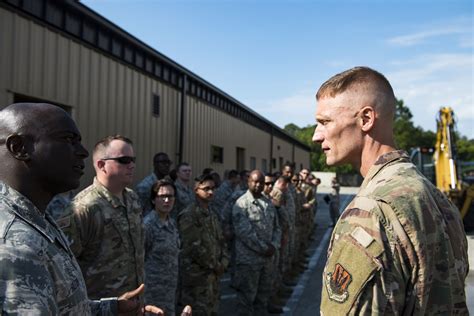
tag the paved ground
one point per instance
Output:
(306, 296)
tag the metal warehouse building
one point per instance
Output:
(112, 83)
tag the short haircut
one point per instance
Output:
(207, 171)
(103, 144)
(161, 183)
(203, 178)
(232, 174)
(155, 157)
(383, 98)
(288, 164)
(285, 179)
(181, 164)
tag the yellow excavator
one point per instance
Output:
(439, 164)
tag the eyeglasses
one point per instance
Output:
(124, 160)
(268, 183)
(164, 196)
(207, 189)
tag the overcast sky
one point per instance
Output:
(272, 55)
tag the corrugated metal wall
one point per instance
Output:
(107, 97)
(206, 126)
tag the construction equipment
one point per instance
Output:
(440, 165)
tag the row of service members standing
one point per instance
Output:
(106, 234)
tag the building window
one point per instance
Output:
(253, 163)
(274, 163)
(156, 105)
(217, 154)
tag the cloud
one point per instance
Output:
(298, 108)
(461, 26)
(429, 82)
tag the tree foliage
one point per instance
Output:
(406, 134)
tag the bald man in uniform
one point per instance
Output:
(42, 155)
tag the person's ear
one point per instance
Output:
(18, 146)
(367, 118)
(100, 164)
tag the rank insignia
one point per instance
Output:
(337, 283)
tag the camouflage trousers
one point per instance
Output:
(254, 287)
(202, 294)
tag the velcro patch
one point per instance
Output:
(337, 283)
(362, 236)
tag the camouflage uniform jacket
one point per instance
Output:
(107, 239)
(256, 225)
(143, 190)
(308, 193)
(38, 272)
(222, 195)
(399, 248)
(184, 197)
(228, 206)
(162, 246)
(203, 245)
(279, 201)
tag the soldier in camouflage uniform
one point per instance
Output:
(184, 192)
(204, 256)
(39, 275)
(162, 246)
(290, 206)
(257, 236)
(104, 222)
(399, 247)
(224, 192)
(310, 198)
(161, 170)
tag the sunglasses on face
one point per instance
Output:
(268, 183)
(124, 160)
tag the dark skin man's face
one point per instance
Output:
(162, 165)
(287, 172)
(57, 160)
(256, 182)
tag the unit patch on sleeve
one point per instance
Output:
(337, 283)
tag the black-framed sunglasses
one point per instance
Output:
(124, 160)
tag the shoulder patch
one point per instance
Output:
(362, 236)
(337, 283)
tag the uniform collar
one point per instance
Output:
(383, 161)
(22, 207)
(106, 194)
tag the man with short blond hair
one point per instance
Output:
(105, 226)
(399, 248)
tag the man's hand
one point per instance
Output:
(187, 311)
(129, 304)
(307, 206)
